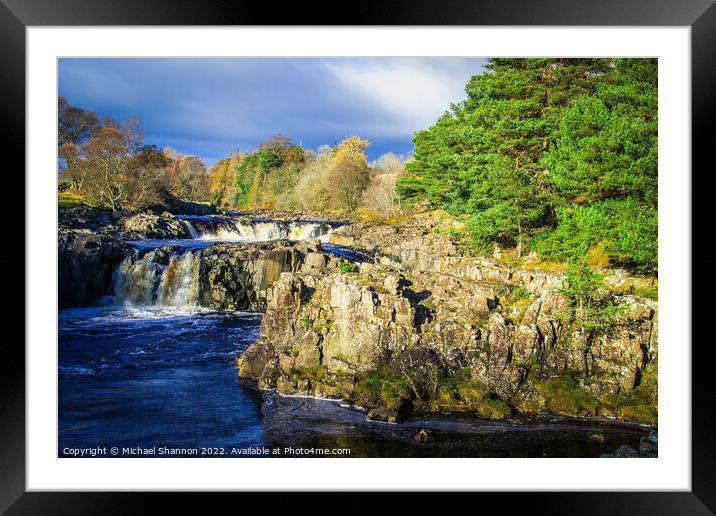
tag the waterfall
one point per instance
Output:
(180, 281)
(135, 281)
(243, 230)
(192, 230)
(310, 231)
(141, 281)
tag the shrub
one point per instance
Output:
(564, 396)
(346, 266)
(380, 387)
(493, 408)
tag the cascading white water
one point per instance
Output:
(310, 231)
(143, 282)
(241, 231)
(193, 233)
(179, 284)
(135, 281)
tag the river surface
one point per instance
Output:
(160, 380)
(161, 376)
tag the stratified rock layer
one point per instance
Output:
(146, 225)
(86, 261)
(423, 309)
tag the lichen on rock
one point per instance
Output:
(402, 332)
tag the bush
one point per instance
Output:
(380, 387)
(564, 396)
(641, 403)
(315, 373)
(493, 408)
(626, 232)
(346, 266)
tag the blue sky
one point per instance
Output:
(210, 107)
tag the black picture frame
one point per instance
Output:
(700, 15)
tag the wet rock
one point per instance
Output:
(242, 277)
(383, 414)
(86, 262)
(421, 436)
(649, 445)
(626, 451)
(146, 225)
(600, 438)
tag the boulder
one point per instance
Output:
(626, 452)
(146, 225)
(649, 445)
(86, 262)
(383, 414)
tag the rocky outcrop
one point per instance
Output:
(92, 219)
(182, 207)
(147, 225)
(648, 447)
(509, 337)
(241, 277)
(86, 261)
(413, 245)
(221, 276)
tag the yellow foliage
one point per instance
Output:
(221, 180)
(351, 151)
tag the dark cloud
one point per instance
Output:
(210, 107)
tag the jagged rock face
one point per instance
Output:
(145, 225)
(221, 277)
(414, 245)
(241, 277)
(321, 332)
(86, 261)
(189, 207)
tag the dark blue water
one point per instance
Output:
(161, 377)
(164, 377)
(348, 253)
(155, 376)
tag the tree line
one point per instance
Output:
(109, 166)
(282, 175)
(558, 156)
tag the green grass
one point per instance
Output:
(380, 387)
(69, 199)
(564, 396)
(314, 373)
(493, 408)
(640, 404)
(650, 293)
(346, 266)
(520, 293)
(456, 392)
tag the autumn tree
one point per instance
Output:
(351, 174)
(100, 167)
(380, 197)
(74, 125)
(222, 189)
(193, 179)
(187, 176)
(146, 181)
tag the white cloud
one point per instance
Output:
(414, 91)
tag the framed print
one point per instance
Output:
(420, 252)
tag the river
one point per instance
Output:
(149, 369)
